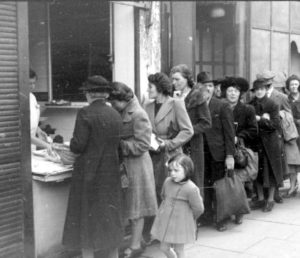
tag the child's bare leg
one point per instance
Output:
(179, 250)
(168, 251)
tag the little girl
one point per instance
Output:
(175, 223)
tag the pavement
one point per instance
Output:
(262, 235)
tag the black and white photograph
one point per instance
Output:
(149, 129)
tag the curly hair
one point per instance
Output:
(185, 73)
(120, 91)
(291, 78)
(162, 83)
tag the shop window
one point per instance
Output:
(78, 44)
(295, 58)
(261, 14)
(295, 16)
(260, 51)
(280, 52)
(280, 15)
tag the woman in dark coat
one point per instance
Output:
(135, 143)
(267, 146)
(93, 221)
(199, 114)
(246, 128)
(292, 147)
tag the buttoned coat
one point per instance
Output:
(295, 105)
(283, 103)
(135, 143)
(93, 215)
(247, 129)
(199, 114)
(268, 134)
(220, 137)
(173, 125)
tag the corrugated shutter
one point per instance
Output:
(11, 205)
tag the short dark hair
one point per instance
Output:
(120, 91)
(32, 74)
(291, 78)
(186, 162)
(162, 83)
(185, 72)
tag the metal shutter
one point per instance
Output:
(11, 205)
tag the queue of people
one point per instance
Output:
(195, 128)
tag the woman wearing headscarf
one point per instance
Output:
(246, 129)
(171, 125)
(267, 145)
(135, 142)
(292, 147)
(199, 114)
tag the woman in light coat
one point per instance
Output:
(135, 143)
(171, 124)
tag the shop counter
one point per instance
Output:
(51, 185)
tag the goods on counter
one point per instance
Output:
(67, 157)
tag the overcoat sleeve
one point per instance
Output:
(228, 128)
(204, 118)
(140, 142)
(81, 133)
(250, 130)
(196, 202)
(183, 121)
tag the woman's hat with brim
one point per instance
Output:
(96, 83)
(258, 83)
(204, 77)
(236, 82)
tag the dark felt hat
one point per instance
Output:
(204, 77)
(237, 82)
(96, 83)
(258, 83)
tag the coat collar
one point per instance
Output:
(164, 110)
(129, 109)
(194, 98)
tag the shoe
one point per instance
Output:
(132, 253)
(269, 206)
(221, 227)
(278, 198)
(238, 219)
(256, 205)
(291, 194)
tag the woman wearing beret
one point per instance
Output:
(135, 143)
(199, 114)
(171, 125)
(267, 145)
(246, 127)
(292, 147)
(93, 221)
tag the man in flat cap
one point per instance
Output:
(93, 221)
(267, 78)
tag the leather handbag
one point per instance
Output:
(240, 156)
(249, 173)
(231, 198)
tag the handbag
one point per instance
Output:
(231, 198)
(249, 173)
(288, 126)
(240, 155)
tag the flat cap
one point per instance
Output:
(96, 83)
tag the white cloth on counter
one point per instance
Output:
(34, 117)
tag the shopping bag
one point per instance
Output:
(67, 157)
(249, 172)
(231, 197)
